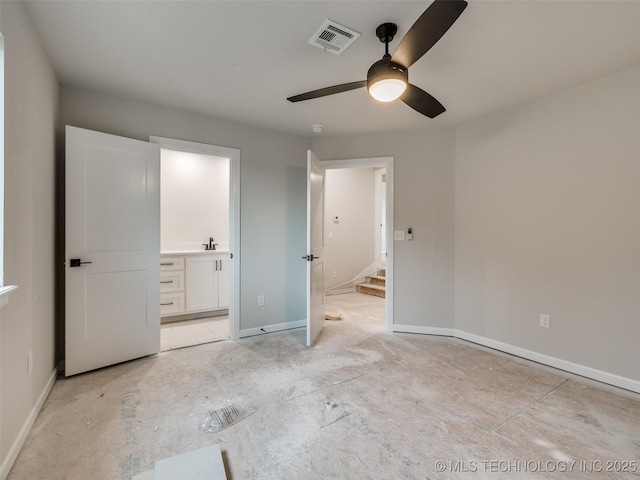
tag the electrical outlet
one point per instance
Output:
(545, 320)
(260, 300)
(30, 361)
(398, 235)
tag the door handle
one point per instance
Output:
(310, 258)
(76, 262)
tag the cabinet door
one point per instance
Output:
(223, 282)
(201, 283)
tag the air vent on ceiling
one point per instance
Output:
(333, 37)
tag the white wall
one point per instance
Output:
(424, 178)
(349, 243)
(194, 199)
(548, 221)
(272, 189)
(31, 100)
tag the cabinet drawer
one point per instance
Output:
(171, 304)
(171, 263)
(171, 281)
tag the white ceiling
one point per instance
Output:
(242, 59)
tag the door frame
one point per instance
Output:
(379, 221)
(233, 154)
(378, 162)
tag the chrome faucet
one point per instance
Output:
(210, 245)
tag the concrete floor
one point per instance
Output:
(405, 406)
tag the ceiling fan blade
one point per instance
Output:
(428, 29)
(422, 102)
(323, 92)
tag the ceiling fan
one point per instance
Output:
(388, 79)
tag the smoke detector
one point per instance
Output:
(317, 128)
(333, 37)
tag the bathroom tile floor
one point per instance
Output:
(188, 333)
(362, 404)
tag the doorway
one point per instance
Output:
(200, 246)
(194, 248)
(359, 207)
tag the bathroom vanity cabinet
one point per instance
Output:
(194, 282)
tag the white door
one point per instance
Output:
(315, 248)
(112, 250)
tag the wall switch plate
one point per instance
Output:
(409, 233)
(260, 300)
(330, 235)
(333, 274)
(398, 235)
(545, 320)
(30, 361)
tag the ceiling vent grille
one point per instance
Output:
(333, 37)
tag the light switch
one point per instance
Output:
(398, 235)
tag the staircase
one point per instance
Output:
(375, 284)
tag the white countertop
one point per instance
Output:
(168, 253)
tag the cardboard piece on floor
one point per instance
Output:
(203, 464)
(148, 475)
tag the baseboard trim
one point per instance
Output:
(193, 316)
(340, 291)
(567, 366)
(588, 372)
(447, 332)
(26, 428)
(277, 327)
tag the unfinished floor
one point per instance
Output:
(404, 406)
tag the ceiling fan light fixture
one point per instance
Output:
(387, 89)
(387, 80)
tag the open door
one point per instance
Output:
(315, 248)
(112, 250)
